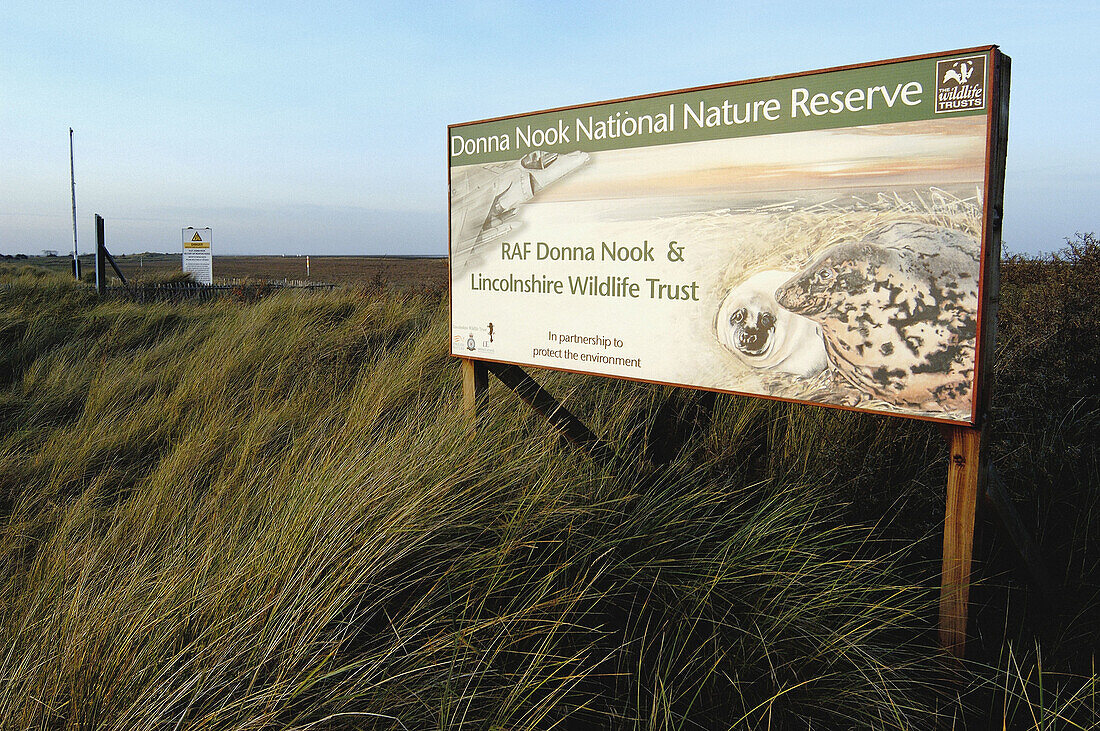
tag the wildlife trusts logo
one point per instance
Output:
(960, 84)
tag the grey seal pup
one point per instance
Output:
(899, 312)
(752, 326)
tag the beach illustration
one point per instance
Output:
(829, 266)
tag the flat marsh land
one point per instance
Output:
(270, 514)
(391, 271)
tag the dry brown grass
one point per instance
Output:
(417, 274)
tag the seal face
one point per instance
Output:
(752, 326)
(898, 310)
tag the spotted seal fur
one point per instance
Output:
(898, 310)
(752, 326)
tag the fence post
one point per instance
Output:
(100, 259)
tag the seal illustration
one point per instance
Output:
(752, 326)
(898, 310)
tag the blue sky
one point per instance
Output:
(294, 128)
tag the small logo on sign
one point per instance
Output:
(960, 84)
(471, 344)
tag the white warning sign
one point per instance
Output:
(197, 258)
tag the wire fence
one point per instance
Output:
(242, 289)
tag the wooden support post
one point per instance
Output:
(111, 261)
(100, 260)
(967, 473)
(551, 409)
(475, 381)
(965, 482)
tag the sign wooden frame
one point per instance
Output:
(968, 468)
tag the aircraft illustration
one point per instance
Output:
(485, 197)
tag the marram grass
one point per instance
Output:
(274, 516)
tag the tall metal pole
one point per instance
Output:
(72, 179)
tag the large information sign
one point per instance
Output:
(197, 257)
(821, 237)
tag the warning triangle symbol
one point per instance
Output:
(196, 237)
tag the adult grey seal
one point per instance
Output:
(752, 326)
(898, 310)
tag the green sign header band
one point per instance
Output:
(901, 91)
